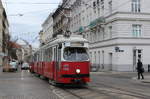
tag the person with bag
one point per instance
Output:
(140, 69)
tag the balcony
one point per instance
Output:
(81, 29)
(98, 21)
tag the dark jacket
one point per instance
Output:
(140, 67)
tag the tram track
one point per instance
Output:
(99, 94)
(124, 91)
(112, 92)
(97, 90)
(74, 94)
(93, 93)
(82, 93)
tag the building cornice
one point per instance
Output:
(131, 13)
(138, 17)
(127, 38)
(119, 44)
(120, 41)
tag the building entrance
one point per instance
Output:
(137, 54)
(110, 61)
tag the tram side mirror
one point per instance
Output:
(60, 46)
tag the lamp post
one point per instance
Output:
(19, 14)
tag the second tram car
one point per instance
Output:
(63, 60)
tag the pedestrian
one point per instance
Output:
(140, 69)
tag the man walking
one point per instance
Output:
(140, 69)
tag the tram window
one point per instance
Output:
(48, 55)
(45, 55)
(75, 54)
(35, 57)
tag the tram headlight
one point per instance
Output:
(78, 71)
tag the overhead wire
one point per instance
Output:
(35, 37)
(32, 3)
(28, 3)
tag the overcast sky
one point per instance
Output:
(28, 25)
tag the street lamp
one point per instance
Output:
(16, 14)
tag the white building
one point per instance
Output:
(47, 27)
(118, 31)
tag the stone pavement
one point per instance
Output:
(145, 80)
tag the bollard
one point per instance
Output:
(148, 67)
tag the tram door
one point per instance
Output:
(57, 54)
(55, 63)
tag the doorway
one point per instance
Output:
(110, 61)
(137, 54)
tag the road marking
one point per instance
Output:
(58, 94)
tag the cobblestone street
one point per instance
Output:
(104, 85)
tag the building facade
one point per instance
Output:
(47, 28)
(118, 31)
(4, 35)
(62, 18)
(57, 22)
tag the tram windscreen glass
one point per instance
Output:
(75, 54)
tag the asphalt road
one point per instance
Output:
(24, 86)
(104, 85)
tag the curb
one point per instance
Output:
(145, 81)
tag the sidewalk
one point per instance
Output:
(145, 80)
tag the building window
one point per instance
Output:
(136, 30)
(136, 7)
(102, 2)
(87, 36)
(103, 57)
(99, 56)
(103, 33)
(110, 6)
(95, 57)
(98, 2)
(97, 34)
(94, 4)
(110, 32)
(91, 56)
(102, 10)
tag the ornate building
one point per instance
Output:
(47, 28)
(4, 35)
(118, 31)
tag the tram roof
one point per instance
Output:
(61, 39)
(72, 38)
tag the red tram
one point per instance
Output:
(63, 60)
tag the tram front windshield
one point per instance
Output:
(75, 54)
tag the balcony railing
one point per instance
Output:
(98, 21)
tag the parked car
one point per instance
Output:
(25, 66)
(13, 66)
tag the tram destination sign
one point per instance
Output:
(77, 44)
(74, 44)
